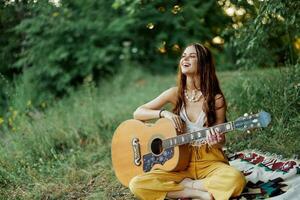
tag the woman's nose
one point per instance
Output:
(186, 58)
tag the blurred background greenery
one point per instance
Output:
(59, 44)
(72, 70)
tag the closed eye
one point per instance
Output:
(191, 55)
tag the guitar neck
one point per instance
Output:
(196, 135)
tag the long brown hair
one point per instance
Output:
(209, 84)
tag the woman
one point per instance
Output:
(198, 102)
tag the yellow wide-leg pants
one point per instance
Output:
(219, 178)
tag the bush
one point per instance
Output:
(267, 33)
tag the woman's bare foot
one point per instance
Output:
(199, 185)
(189, 193)
(193, 184)
(187, 182)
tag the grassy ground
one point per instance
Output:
(64, 151)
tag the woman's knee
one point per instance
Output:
(238, 181)
(133, 184)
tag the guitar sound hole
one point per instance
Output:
(156, 146)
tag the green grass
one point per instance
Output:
(63, 152)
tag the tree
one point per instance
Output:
(266, 33)
(160, 29)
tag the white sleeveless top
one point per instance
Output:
(193, 126)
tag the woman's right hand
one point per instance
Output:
(175, 119)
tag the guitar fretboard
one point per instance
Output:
(196, 135)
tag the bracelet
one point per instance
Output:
(161, 110)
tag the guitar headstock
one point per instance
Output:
(252, 121)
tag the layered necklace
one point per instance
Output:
(195, 96)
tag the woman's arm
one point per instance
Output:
(151, 109)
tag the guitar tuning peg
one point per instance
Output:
(246, 115)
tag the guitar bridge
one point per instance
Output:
(136, 151)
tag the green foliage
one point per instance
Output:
(11, 14)
(73, 41)
(21, 97)
(64, 45)
(67, 43)
(167, 27)
(268, 33)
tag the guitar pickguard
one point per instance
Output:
(150, 159)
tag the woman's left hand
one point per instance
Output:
(215, 137)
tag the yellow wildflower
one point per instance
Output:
(55, 14)
(29, 103)
(10, 121)
(15, 113)
(43, 104)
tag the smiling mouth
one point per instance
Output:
(186, 65)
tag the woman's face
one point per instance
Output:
(188, 61)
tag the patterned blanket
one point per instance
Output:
(269, 177)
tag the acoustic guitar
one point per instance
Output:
(138, 148)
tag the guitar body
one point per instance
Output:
(137, 148)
